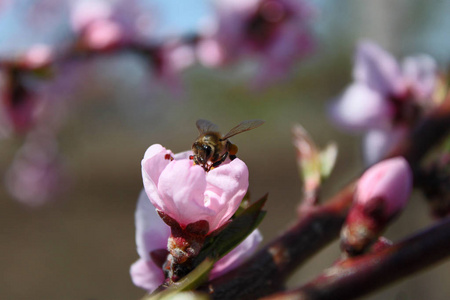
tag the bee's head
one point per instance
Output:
(203, 152)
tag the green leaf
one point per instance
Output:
(189, 282)
(328, 159)
(235, 232)
(245, 203)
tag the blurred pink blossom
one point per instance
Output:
(103, 25)
(35, 175)
(168, 60)
(152, 235)
(93, 20)
(38, 56)
(385, 97)
(187, 193)
(103, 34)
(275, 32)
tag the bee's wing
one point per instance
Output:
(205, 126)
(243, 126)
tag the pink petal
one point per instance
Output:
(361, 108)
(378, 69)
(238, 255)
(146, 275)
(183, 155)
(85, 12)
(210, 53)
(227, 185)
(151, 232)
(421, 74)
(153, 163)
(378, 142)
(103, 34)
(182, 186)
(35, 176)
(290, 43)
(38, 55)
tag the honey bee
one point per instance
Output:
(211, 148)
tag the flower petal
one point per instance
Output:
(227, 185)
(146, 275)
(238, 255)
(182, 186)
(183, 155)
(153, 163)
(292, 42)
(420, 71)
(151, 232)
(361, 108)
(377, 143)
(378, 69)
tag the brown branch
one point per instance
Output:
(355, 277)
(267, 270)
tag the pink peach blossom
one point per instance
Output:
(385, 96)
(103, 34)
(86, 12)
(152, 234)
(38, 56)
(274, 32)
(168, 60)
(187, 193)
(104, 24)
(35, 176)
(93, 20)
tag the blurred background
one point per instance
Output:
(81, 245)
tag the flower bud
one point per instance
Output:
(381, 193)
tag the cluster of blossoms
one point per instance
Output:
(386, 99)
(183, 204)
(274, 31)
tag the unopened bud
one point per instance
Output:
(381, 193)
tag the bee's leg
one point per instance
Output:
(222, 159)
(232, 157)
